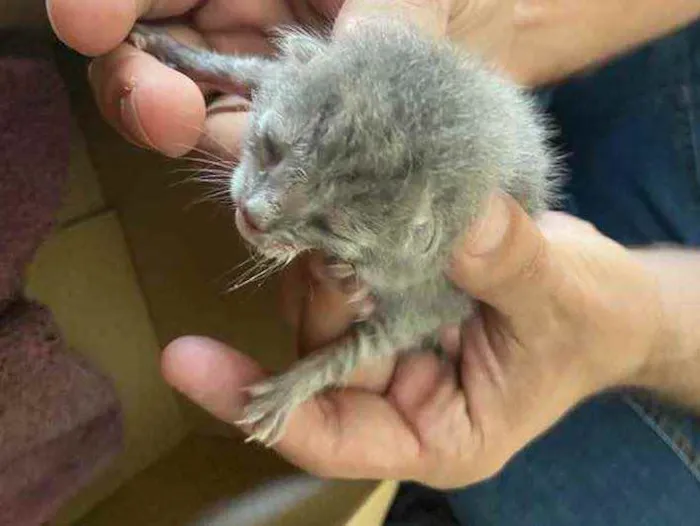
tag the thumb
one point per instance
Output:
(431, 16)
(505, 261)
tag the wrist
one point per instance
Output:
(672, 367)
(664, 353)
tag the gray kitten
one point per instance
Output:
(377, 148)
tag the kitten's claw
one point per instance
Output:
(155, 42)
(137, 40)
(273, 400)
(269, 408)
(142, 37)
(260, 388)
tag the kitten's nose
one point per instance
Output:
(252, 222)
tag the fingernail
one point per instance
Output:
(331, 270)
(489, 230)
(131, 121)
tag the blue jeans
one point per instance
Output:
(632, 132)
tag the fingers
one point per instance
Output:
(506, 262)
(151, 104)
(430, 15)
(318, 311)
(350, 434)
(220, 15)
(157, 107)
(325, 9)
(327, 314)
(210, 374)
(560, 225)
(225, 127)
(97, 27)
(294, 291)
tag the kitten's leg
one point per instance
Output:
(229, 74)
(273, 400)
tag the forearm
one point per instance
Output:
(673, 371)
(576, 34)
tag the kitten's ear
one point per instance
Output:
(298, 44)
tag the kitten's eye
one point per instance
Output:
(321, 223)
(271, 151)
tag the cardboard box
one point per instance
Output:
(133, 264)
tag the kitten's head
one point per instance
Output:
(375, 148)
(332, 163)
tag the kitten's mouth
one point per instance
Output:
(249, 230)
(246, 225)
(257, 237)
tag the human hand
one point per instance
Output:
(534, 43)
(566, 314)
(152, 105)
(156, 107)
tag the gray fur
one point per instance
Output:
(378, 148)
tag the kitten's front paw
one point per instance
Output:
(143, 37)
(271, 403)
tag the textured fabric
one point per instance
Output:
(60, 420)
(34, 153)
(601, 466)
(633, 133)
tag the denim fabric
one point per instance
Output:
(602, 466)
(632, 131)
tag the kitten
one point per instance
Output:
(378, 148)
